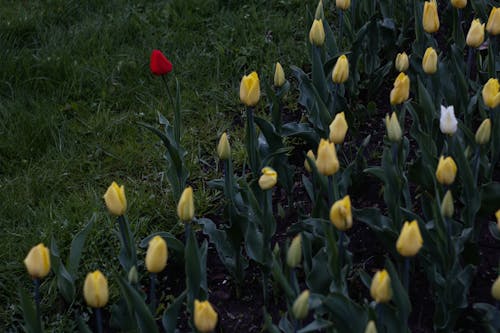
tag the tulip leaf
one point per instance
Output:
(193, 266)
(400, 295)
(318, 280)
(77, 245)
(318, 325)
(65, 281)
(348, 316)
(301, 130)
(171, 314)
(172, 242)
(82, 325)
(281, 280)
(31, 320)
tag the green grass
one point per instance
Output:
(73, 85)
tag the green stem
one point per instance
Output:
(477, 158)
(470, 60)
(251, 142)
(406, 275)
(341, 249)
(341, 26)
(127, 241)
(177, 129)
(36, 283)
(152, 293)
(187, 231)
(98, 319)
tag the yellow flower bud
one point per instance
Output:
(115, 199)
(294, 254)
(157, 255)
(340, 72)
(493, 25)
(402, 63)
(446, 170)
(340, 214)
(343, 4)
(300, 307)
(459, 3)
(430, 18)
(319, 14)
(401, 90)
(223, 148)
(133, 276)
(371, 327)
(205, 317)
(497, 215)
(410, 240)
(185, 207)
(475, 36)
(380, 288)
(394, 131)
(268, 178)
(95, 290)
(338, 128)
(37, 261)
(430, 61)
(309, 154)
(326, 161)
(447, 207)
(279, 75)
(483, 133)
(317, 33)
(491, 93)
(250, 89)
(495, 289)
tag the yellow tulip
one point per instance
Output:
(340, 72)
(483, 133)
(371, 328)
(493, 25)
(402, 62)
(300, 307)
(495, 289)
(115, 199)
(394, 131)
(338, 128)
(343, 4)
(279, 75)
(491, 93)
(410, 240)
(205, 317)
(294, 254)
(446, 170)
(401, 90)
(185, 207)
(475, 36)
(37, 261)
(157, 255)
(340, 214)
(447, 207)
(268, 178)
(430, 61)
(317, 33)
(95, 290)
(250, 89)
(326, 161)
(380, 288)
(430, 19)
(309, 154)
(497, 215)
(223, 148)
(459, 3)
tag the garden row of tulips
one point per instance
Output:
(436, 197)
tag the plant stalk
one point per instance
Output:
(36, 283)
(470, 60)
(98, 319)
(177, 130)
(152, 293)
(406, 275)
(251, 142)
(341, 249)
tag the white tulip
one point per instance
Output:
(448, 122)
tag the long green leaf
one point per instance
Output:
(77, 245)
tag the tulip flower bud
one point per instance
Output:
(294, 254)
(410, 240)
(317, 33)
(430, 61)
(401, 90)
(205, 317)
(394, 131)
(483, 133)
(223, 148)
(446, 170)
(491, 92)
(380, 288)
(95, 290)
(493, 25)
(447, 207)
(430, 18)
(338, 128)
(340, 214)
(185, 207)
(309, 154)
(495, 289)
(459, 3)
(157, 255)
(343, 4)
(279, 75)
(37, 261)
(250, 89)
(268, 178)
(497, 215)
(159, 64)
(340, 72)
(300, 307)
(448, 122)
(475, 36)
(371, 327)
(402, 63)
(276, 250)
(319, 14)
(115, 199)
(326, 161)
(133, 276)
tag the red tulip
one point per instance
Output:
(159, 64)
